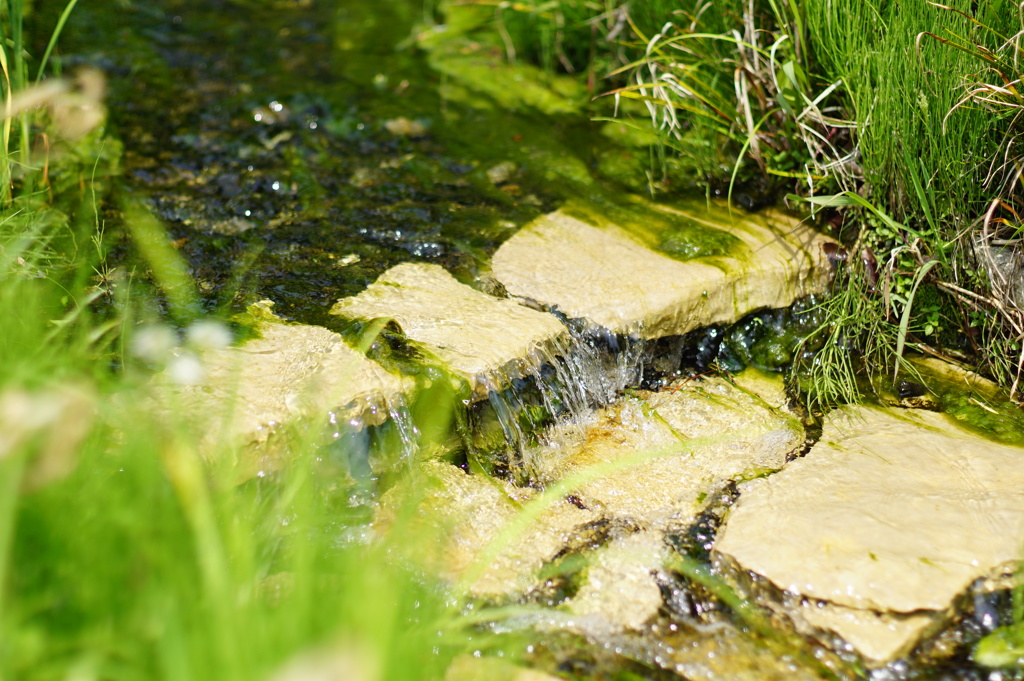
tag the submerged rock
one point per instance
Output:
(715, 652)
(484, 339)
(609, 278)
(877, 636)
(621, 589)
(885, 522)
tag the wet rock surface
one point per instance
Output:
(656, 458)
(889, 518)
(593, 548)
(475, 514)
(485, 340)
(606, 276)
(247, 393)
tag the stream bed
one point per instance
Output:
(308, 153)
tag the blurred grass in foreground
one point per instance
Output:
(125, 552)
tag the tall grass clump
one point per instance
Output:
(148, 562)
(730, 82)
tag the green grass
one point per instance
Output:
(126, 552)
(148, 562)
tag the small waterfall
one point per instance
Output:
(367, 447)
(559, 383)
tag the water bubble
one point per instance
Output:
(276, 186)
(276, 106)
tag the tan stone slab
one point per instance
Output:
(621, 588)
(461, 514)
(482, 338)
(604, 275)
(892, 510)
(878, 637)
(660, 454)
(290, 371)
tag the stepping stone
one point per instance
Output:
(605, 275)
(485, 340)
(290, 371)
(463, 514)
(621, 591)
(889, 518)
(660, 455)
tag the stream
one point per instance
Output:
(302, 152)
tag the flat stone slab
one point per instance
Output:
(482, 338)
(290, 371)
(877, 636)
(467, 512)
(606, 276)
(892, 511)
(660, 455)
(621, 591)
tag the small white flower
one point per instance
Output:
(154, 343)
(208, 335)
(186, 369)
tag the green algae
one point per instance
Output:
(975, 403)
(674, 234)
(687, 240)
(513, 87)
(767, 340)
